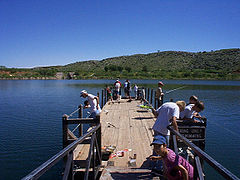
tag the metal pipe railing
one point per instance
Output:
(217, 166)
(38, 172)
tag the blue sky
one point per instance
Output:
(55, 32)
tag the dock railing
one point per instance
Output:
(204, 156)
(67, 153)
(200, 155)
(70, 142)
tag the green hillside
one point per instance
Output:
(221, 64)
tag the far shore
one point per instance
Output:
(95, 78)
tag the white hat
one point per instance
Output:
(83, 92)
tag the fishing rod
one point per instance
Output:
(149, 106)
(167, 92)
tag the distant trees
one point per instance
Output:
(128, 69)
(144, 69)
(46, 72)
(221, 64)
(3, 67)
(113, 68)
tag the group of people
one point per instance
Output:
(116, 90)
(176, 166)
(168, 113)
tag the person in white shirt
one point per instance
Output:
(93, 102)
(136, 91)
(117, 86)
(166, 114)
(191, 111)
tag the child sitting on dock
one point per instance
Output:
(176, 166)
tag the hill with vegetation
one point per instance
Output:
(220, 64)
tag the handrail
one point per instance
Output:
(38, 172)
(199, 168)
(217, 166)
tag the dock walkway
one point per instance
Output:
(127, 127)
(118, 145)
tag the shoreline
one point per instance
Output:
(54, 78)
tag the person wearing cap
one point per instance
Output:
(93, 102)
(193, 99)
(159, 93)
(176, 166)
(166, 114)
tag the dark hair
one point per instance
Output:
(193, 98)
(200, 105)
(86, 102)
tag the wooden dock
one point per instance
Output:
(118, 144)
(126, 128)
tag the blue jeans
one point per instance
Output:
(92, 115)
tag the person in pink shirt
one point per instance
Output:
(177, 168)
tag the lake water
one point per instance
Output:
(31, 120)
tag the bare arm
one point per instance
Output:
(155, 113)
(86, 106)
(97, 100)
(155, 158)
(174, 123)
(183, 171)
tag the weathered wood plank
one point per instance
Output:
(126, 126)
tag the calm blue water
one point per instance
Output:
(31, 112)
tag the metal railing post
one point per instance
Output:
(65, 130)
(98, 136)
(102, 98)
(105, 94)
(80, 115)
(217, 166)
(151, 96)
(148, 95)
(155, 100)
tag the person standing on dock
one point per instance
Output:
(93, 102)
(117, 86)
(126, 88)
(136, 91)
(109, 94)
(159, 94)
(166, 114)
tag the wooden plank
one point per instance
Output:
(126, 126)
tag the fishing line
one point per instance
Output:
(74, 112)
(175, 89)
(233, 133)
